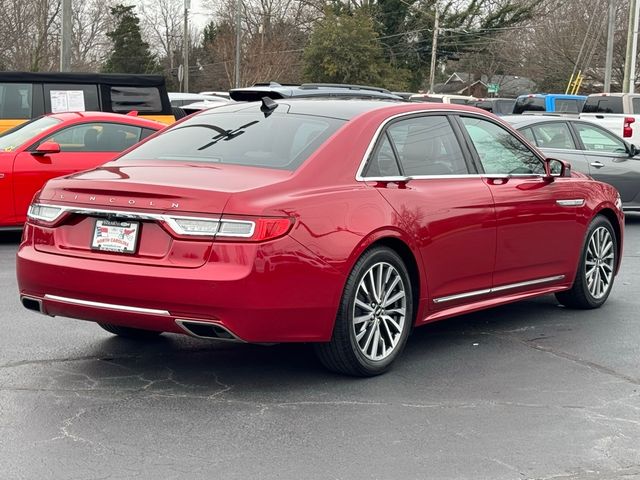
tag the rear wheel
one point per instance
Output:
(128, 332)
(374, 318)
(596, 271)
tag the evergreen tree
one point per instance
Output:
(129, 54)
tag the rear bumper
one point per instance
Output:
(275, 292)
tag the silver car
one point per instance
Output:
(589, 148)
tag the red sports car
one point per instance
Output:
(338, 222)
(59, 144)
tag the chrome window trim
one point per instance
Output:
(110, 306)
(168, 219)
(381, 127)
(376, 135)
(486, 291)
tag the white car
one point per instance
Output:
(178, 99)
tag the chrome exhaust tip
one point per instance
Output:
(31, 303)
(208, 330)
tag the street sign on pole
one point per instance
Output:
(493, 87)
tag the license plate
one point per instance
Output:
(114, 236)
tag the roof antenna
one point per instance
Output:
(268, 106)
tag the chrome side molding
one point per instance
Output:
(109, 306)
(501, 288)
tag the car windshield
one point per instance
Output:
(11, 139)
(281, 141)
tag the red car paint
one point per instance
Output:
(23, 172)
(456, 235)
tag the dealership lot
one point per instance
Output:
(529, 390)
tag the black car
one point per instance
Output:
(330, 90)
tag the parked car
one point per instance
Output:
(326, 90)
(342, 223)
(198, 106)
(617, 112)
(27, 95)
(590, 149)
(59, 144)
(497, 106)
(179, 99)
(216, 93)
(549, 102)
(437, 98)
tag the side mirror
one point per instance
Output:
(46, 148)
(556, 168)
(632, 150)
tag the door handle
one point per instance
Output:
(597, 164)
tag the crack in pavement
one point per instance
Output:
(567, 356)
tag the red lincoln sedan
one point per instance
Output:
(338, 222)
(59, 144)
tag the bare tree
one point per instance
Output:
(90, 23)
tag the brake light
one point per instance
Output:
(627, 131)
(244, 229)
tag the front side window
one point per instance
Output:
(12, 139)
(553, 135)
(68, 97)
(599, 140)
(16, 100)
(529, 104)
(500, 152)
(96, 137)
(602, 104)
(279, 140)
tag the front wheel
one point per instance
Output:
(596, 270)
(374, 318)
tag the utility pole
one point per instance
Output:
(634, 47)
(185, 41)
(632, 44)
(237, 67)
(434, 49)
(608, 64)
(65, 44)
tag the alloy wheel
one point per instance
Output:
(599, 262)
(379, 311)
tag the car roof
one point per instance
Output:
(339, 109)
(562, 96)
(521, 121)
(277, 91)
(74, 117)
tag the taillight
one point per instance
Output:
(44, 214)
(627, 131)
(245, 229)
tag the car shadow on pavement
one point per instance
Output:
(174, 365)
(10, 237)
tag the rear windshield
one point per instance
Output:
(281, 141)
(529, 104)
(11, 139)
(603, 105)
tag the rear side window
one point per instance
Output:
(635, 103)
(383, 162)
(600, 104)
(553, 135)
(598, 140)
(568, 105)
(503, 107)
(280, 140)
(458, 101)
(16, 100)
(141, 99)
(427, 146)
(529, 104)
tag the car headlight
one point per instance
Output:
(44, 213)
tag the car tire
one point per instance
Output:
(374, 318)
(596, 270)
(128, 332)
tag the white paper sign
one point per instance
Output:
(67, 101)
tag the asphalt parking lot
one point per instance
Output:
(525, 391)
